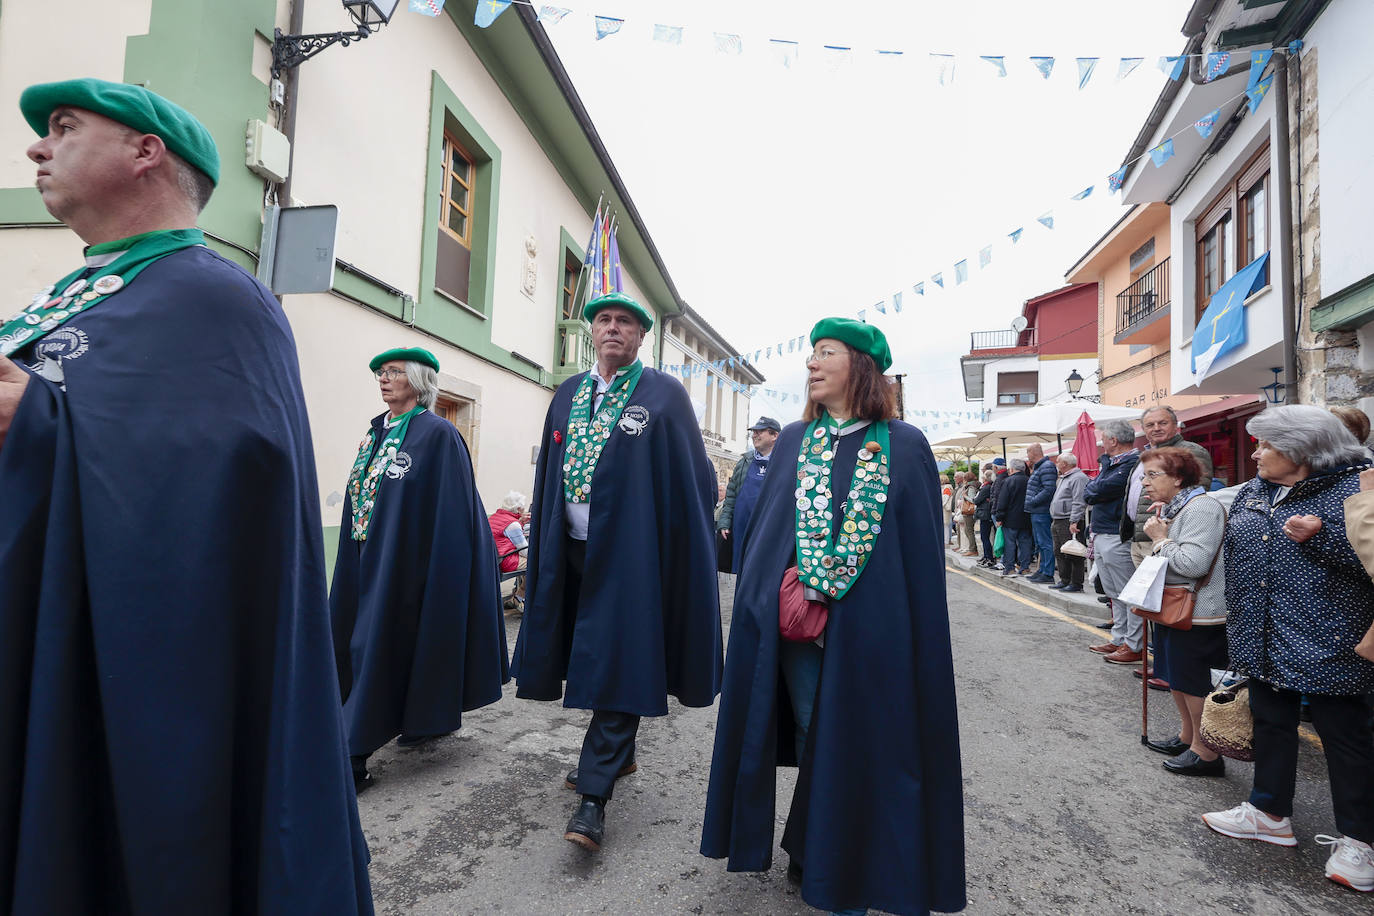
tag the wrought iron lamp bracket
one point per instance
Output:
(290, 51)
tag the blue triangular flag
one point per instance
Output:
(487, 11)
(1173, 66)
(1258, 61)
(1128, 66)
(1015, 235)
(1222, 327)
(1207, 122)
(919, 288)
(1086, 65)
(944, 68)
(1257, 94)
(1217, 62)
(881, 306)
(607, 25)
(553, 14)
(727, 43)
(896, 302)
(997, 61)
(984, 256)
(1162, 153)
(1044, 64)
(1047, 220)
(1081, 195)
(784, 51)
(1115, 179)
(668, 34)
(938, 280)
(862, 313)
(429, 7)
(960, 272)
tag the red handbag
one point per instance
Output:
(799, 620)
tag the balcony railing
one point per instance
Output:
(575, 353)
(1143, 298)
(1002, 340)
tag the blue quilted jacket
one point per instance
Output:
(1296, 611)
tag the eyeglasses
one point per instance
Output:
(1153, 474)
(822, 354)
(393, 374)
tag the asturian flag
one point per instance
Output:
(1222, 328)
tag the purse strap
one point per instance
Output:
(1221, 548)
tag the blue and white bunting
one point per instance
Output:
(668, 34)
(607, 25)
(1257, 94)
(1086, 65)
(1172, 67)
(1217, 63)
(727, 43)
(784, 51)
(998, 62)
(1127, 66)
(1162, 153)
(984, 256)
(427, 7)
(960, 272)
(1205, 124)
(553, 14)
(1044, 64)
(944, 68)
(897, 302)
(1083, 194)
(919, 288)
(938, 279)
(1046, 220)
(1015, 234)
(1115, 179)
(1258, 61)
(487, 11)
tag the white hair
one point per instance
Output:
(424, 381)
(514, 501)
(1069, 459)
(1017, 465)
(1308, 435)
(1119, 430)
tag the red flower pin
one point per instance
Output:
(557, 435)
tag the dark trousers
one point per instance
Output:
(1016, 548)
(609, 745)
(1044, 545)
(1347, 738)
(985, 529)
(1070, 568)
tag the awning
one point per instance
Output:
(1229, 407)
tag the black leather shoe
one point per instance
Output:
(1068, 589)
(570, 781)
(1039, 579)
(1058, 586)
(1173, 747)
(1190, 764)
(588, 823)
(414, 741)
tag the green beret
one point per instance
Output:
(620, 300)
(409, 354)
(862, 337)
(133, 106)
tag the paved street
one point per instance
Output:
(1065, 811)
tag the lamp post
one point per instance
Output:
(1276, 392)
(1074, 384)
(290, 51)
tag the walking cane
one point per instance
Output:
(1145, 687)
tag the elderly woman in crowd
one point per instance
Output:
(1299, 603)
(416, 606)
(866, 707)
(983, 504)
(508, 534)
(1187, 530)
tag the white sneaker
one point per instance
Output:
(1246, 822)
(1351, 862)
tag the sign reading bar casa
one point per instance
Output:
(1146, 398)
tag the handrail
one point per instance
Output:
(1143, 298)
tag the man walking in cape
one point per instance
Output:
(170, 733)
(622, 600)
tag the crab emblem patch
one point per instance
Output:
(398, 466)
(634, 420)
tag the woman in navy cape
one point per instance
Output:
(419, 637)
(877, 816)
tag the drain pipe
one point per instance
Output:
(1283, 179)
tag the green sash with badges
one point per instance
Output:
(834, 567)
(587, 435)
(55, 306)
(362, 487)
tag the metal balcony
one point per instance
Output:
(574, 350)
(1142, 309)
(1006, 339)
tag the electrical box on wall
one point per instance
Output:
(268, 151)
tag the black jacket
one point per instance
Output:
(1106, 492)
(983, 500)
(1011, 502)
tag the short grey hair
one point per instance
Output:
(515, 501)
(194, 183)
(1119, 430)
(1070, 459)
(1173, 415)
(424, 381)
(989, 475)
(1017, 465)
(1308, 435)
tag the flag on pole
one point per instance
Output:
(1127, 66)
(668, 34)
(1204, 124)
(1162, 153)
(487, 11)
(1044, 64)
(998, 62)
(592, 261)
(1086, 65)
(617, 282)
(1258, 61)
(604, 255)
(426, 7)
(607, 25)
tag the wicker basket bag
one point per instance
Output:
(1227, 726)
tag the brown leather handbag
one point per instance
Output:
(1176, 608)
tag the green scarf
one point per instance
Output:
(362, 488)
(587, 436)
(834, 567)
(50, 309)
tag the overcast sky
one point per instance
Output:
(778, 195)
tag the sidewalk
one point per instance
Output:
(1081, 605)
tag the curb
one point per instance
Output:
(1083, 606)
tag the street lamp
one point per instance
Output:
(1276, 392)
(1074, 384)
(290, 51)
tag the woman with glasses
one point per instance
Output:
(419, 637)
(847, 532)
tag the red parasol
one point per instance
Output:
(1085, 445)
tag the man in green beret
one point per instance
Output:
(621, 600)
(170, 730)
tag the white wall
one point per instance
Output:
(1345, 115)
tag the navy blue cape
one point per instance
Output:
(419, 636)
(647, 620)
(877, 821)
(170, 732)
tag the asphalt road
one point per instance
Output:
(1065, 811)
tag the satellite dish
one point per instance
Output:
(1018, 324)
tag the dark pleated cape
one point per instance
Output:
(646, 624)
(877, 820)
(419, 637)
(170, 734)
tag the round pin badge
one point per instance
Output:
(809, 483)
(827, 455)
(803, 503)
(110, 283)
(74, 287)
(820, 502)
(865, 454)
